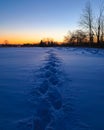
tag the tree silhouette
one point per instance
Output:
(6, 42)
(77, 37)
(80, 36)
(86, 21)
(99, 25)
(49, 42)
(102, 30)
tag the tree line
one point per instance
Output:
(91, 31)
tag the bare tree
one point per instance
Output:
(71, 37)
(67, 37)
(76, 37)
(6, 42)
(102, 29)
(80, 36)
(99, 28)
(86, 21)
(47, 42)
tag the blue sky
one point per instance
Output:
(32, 20)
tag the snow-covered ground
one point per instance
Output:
(51, 89)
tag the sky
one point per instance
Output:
(29, 21)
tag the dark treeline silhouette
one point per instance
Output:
(19, 45)
(72, 43)
(41, 44)
(48, 42)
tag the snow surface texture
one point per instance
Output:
(52, 89)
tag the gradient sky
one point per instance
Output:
(24, 21)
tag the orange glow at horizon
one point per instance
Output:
(18, 40)
(26, 38)
(22, 41)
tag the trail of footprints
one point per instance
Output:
(54, 112)
(49, 99)
(53, 108)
